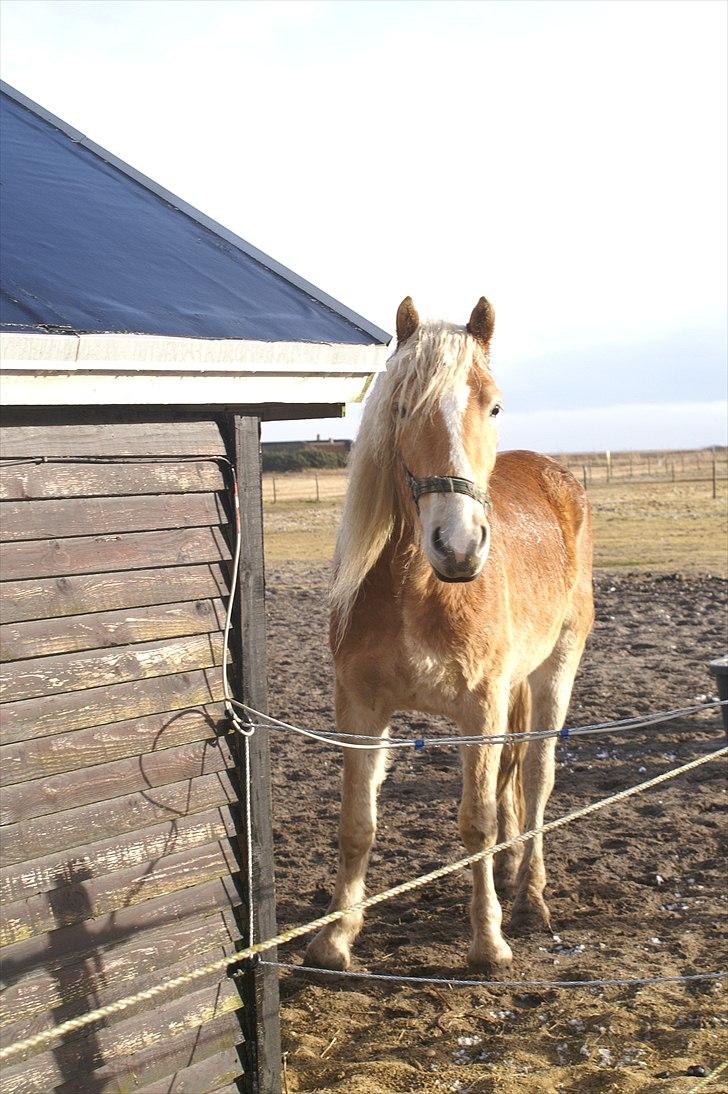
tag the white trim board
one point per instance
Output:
(183, 390)
(88, 369)
(142, 352)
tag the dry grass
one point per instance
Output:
(664, 526)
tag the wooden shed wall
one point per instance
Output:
(119, 801)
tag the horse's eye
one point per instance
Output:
(496, 410)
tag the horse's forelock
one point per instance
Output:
(420, 374)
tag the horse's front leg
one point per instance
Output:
(364, 773)
(479, 830)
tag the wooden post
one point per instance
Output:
(259, 983)
(715, 478)
(318, 494)
(609, 465)
(275, 495)
(583, 471)
(673, 470)
(631, 471)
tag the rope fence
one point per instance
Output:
(507, 985)
(361, 741)
(224, 964)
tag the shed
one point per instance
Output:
(141, 346)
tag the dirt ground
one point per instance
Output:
(637, 890)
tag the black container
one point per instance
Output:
(719, 669)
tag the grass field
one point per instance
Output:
(662, 526)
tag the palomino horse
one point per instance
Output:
(462, 588)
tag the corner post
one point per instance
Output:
(259, 983)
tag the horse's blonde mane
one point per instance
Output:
(419, 373)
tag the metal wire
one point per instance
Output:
(364, 742)
(397, 978)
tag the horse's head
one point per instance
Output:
(445, 409)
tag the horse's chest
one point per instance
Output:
(435, 680)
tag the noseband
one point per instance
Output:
(445, 484)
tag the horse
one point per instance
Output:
(462, 586)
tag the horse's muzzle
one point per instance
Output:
(458, 566)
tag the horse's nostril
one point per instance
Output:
(483, 535)
(437, 542)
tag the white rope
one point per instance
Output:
(365, 743)
(244, 729)
(620, 981)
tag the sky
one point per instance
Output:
(567, 160)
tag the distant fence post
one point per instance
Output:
(275, 495)
(258, 983)
(715, 478)
(609, 465)
(583, 471)
(318, 494)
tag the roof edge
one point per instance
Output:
(380, 336)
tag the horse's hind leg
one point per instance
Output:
(510, 796)
(364, 773)
(505, 869)
(551, 685)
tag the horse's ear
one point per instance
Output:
(482, 321)
(407, 320)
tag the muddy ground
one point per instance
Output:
(637, 890)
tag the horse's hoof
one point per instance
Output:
(529, 914)
(325, 952)
(491, 958)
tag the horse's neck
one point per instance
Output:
(413, 580)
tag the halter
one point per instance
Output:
(445, 484)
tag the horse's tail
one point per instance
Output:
(519, 721)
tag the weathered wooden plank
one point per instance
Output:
(95, 940)
(99, 516)
(31, 481)
(163, 1058)
(80, 1058)
(53, 714)
(61, 1005)
(45, 757)
(58, 991)
(130, 813)
(170, 438)
(25, 879)
(44, 598)
(99, 630)
(86, 898)
(70, 790)
(66, 672)
(208, 1076)
(129, 551)
(259, 984)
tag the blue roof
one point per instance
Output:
(87, 244)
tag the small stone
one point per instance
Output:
(662, 1075)
(697, 1070)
